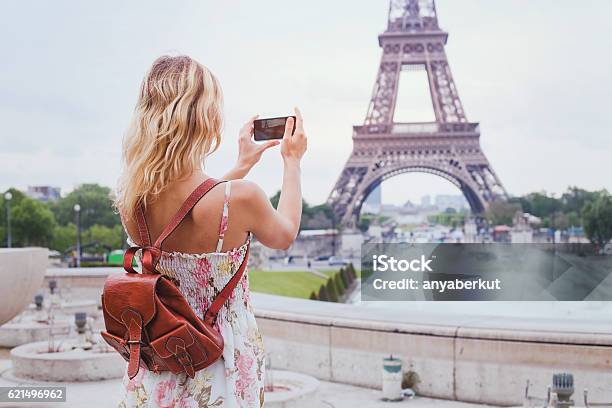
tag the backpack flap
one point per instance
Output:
(130, 291)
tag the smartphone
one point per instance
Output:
(271, 128)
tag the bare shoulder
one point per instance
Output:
(208, 204)
(246, 192)
(248, 204)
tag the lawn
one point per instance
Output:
(330, 272)
(294, 284)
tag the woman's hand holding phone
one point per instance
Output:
(249, 152)
(277, 228)
(293, 148)
(294, 144)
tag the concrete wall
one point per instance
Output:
(482, 360)
(454, 356)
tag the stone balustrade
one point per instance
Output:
(469, 358)
(461, 356)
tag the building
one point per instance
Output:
(426, 201)
(43, 193)
(455, 201)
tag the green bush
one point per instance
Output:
(345, 279)
(351, 270)
(331, 290)
(313, 296)
(323, 295)
(349, 278)
(339, 285)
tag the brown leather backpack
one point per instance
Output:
(149, 321)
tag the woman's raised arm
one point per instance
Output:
(249, 152)
(278, 228)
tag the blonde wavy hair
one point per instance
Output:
(176, 124)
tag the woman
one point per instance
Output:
(176, 124)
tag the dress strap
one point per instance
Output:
(224, 216)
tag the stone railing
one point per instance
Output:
(468, 358)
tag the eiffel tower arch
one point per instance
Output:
(448, 147)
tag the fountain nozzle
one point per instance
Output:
(80, 320)
(563, 387)
(52, 285)
(38, 301)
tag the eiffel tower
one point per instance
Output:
(448, 147)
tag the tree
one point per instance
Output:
(557, 220)
(112, 237)
(573, 219)
(323, 295)
(16, 199)
(351, 269)
(502, 213)
(597, 220)
(574, 199)
(96, 207)
(64, 236)
(33, 223)
(331, 290)
(316, 217)
(313, 217)
(347, 276)
(339, 285)
(345, 280)
(364, 222)
(540, 204)
(275, 199)
(313, 296)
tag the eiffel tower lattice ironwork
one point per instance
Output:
(448, 147)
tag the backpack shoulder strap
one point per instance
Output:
(152, 253)
(144, 239)
(143, 228)
(187, 206)
(210, 316)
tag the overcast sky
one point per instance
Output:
(535, 74)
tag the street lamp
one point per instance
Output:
(77, 210)
(8, 197)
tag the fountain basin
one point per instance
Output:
(22, 271)
(71, 307)
(14, 334)
(292, 390)
(33, 361)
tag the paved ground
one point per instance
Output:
(103, 394)
(335, 395)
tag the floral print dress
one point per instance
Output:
(237, 379)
